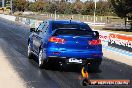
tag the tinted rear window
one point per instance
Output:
(76, 26)
(74, 32)
(57, 26)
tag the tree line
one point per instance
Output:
(121, 8)
(64, 7)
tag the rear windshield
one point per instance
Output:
(56, 26)
(74, 32)
(75, 26)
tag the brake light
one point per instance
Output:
(57, 40)
(95, 42)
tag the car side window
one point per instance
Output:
(41, 26)
(45, 28)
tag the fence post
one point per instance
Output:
(83, 17)
(87, 17)
(96, 19)
(91, 19)
(72, 17)
(101, 18)
(58, 16)
(79, 17)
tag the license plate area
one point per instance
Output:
(74, 60)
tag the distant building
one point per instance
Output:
(31, 0)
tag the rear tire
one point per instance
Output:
(42, 60)
(29, 51)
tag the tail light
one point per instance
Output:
(57, 40)
(95, 42)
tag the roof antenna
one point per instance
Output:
(70, 20)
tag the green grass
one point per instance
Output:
(83, 18)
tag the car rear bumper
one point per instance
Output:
(76, 54)
(85, 56)
(66, 60)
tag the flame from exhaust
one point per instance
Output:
(84, 73)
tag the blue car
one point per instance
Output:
(65, 41)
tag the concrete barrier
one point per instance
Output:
(8, 17)
(95, 24)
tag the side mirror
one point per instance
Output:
(32, 30)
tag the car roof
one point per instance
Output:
(66, 21)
